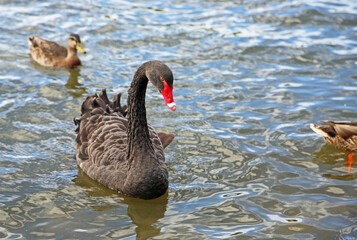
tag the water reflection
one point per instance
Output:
(331, 155)
(143, 213)
(75, 88)
(343, 177)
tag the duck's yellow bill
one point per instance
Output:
(80, 48)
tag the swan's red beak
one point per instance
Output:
(167, 94)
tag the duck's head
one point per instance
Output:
(74, 42)
(162, 78)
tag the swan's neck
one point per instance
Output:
(139, 144)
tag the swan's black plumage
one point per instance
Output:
(116, 146)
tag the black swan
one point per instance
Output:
(117, 147)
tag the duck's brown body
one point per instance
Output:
(339, 133)
(52, 54)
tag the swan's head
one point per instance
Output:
(160, 75)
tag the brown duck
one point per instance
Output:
(51, 54)
(117, 147)
(339, 133)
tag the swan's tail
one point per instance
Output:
(102, 102)
(95, 104)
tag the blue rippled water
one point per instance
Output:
(250, 76)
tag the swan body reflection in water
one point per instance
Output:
(143, 213)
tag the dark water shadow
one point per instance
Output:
(143, 213)
(332, 155)
(75, 88)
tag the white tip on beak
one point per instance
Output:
(172, 106)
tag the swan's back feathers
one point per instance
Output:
(100, 104)
(102, 140)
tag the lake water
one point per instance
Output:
(250, 76)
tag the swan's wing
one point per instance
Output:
(102, 141)
(101, 148)
(156, 143)
(166, 138)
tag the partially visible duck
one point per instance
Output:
(117, 147)
(51, 54)
(339, 133)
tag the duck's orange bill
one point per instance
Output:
(350, 162)
(167, 94)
